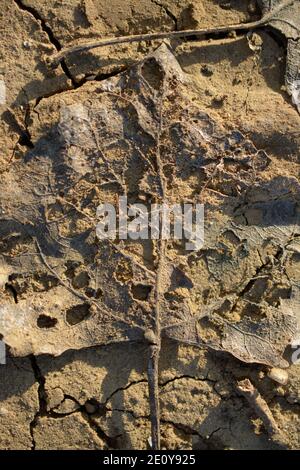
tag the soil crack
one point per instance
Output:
(51, 36)
(200, 379)
(168, 13)
(122, 389)
(40, 379)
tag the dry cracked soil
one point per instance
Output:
(97, 397)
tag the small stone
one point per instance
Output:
(278, 375)
(191, 16)
(150, 337)
(26, 44)
(90, 408)
(3, 411)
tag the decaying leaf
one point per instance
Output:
(287, 21)
(139, 135)
(250, 341)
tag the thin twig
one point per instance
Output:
(55, 59)
(259, 405)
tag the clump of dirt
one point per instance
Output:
(101, 392)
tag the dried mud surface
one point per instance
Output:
(96, 398)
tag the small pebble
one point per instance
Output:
(3, 411)
(90, 408)
(278, 375)
(232, 34)
(150, 337)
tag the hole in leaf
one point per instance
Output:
(81, 280)
(77, 314)
(153, 73)
(95, 293)
(44, 321)
(180, 279)
(140, 291)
